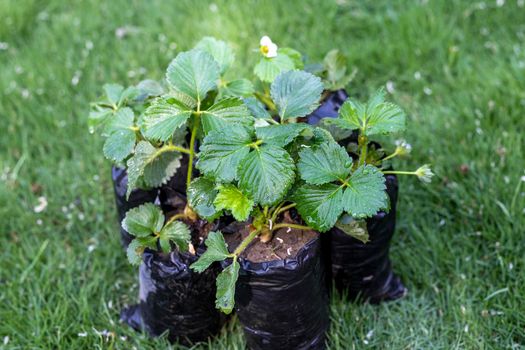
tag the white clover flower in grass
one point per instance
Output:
(403, 148)
(424, 173)
(268, 47)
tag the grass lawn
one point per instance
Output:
(457, 67)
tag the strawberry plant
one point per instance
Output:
(149, 127)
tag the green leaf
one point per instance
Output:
(376, 117)
(161, 167)
(162, 118)
(128, 95)
(232, 199)
(156, 165)
(220, 50)
(176, 232)
(201, 195)
(383, 117)
(222, 151)
(148, 88)
(336, 71)
(337, 133)
(266, 174)
(144, 220)
(119, 145)
(294, 55)
(98, 117)
(366, 194)
(122, 138)
(136, 248)
(296, 93)
(217, 250)
(122, 120)
(319, 206)
(225, 112)
(113, 92)
(239, 88)
(321, 135)
(354, 228)
(257, 108)
(327, 163)
(269, 68)
(335, 65)
(134, 252)
(226, 282)
(352, 116)
(193, 73)
(282, 134)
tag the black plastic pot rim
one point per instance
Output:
(287, 263)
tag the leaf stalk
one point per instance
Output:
(245, 243)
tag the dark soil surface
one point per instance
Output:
(199, 228)
(286, 242)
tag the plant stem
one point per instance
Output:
(283, 209)
(175, 217)
(177, 148)
(299, 227)
(390, 156)
(399, 172)
(255, 144)
(267, 101)
(363, 144)
(325, 94)
(245, 242)
(196, 123)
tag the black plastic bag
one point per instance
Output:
(175, 299)
(136, 198)
(329, 108)
(283, 304)
(364, 269)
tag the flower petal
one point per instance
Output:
(266, 41)
(272, 50)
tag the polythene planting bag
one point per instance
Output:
(364, 269)
(136, 198)
(175, 299)
(329, 108)
(283, 304)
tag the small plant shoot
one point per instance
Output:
(334, 71)
(147, 223)
(149, 127)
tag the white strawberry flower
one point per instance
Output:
(402, 147)
(268, 47)
(424, 173)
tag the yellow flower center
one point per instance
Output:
(264, 49)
